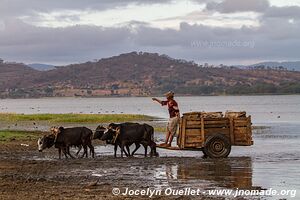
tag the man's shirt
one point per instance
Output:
(172, 107)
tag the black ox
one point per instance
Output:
(64, 138)
(125, 134)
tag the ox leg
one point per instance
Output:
(126, 154)
(115, 150)
(128, 151)
(146, 149)
(85, 152)
(122, 149)
(79, 149)
(153, 149)
(65, 152)
(92, 150)
(59, 153)
(91, 147)
(145, 145)
(68, 152)
(137, 146)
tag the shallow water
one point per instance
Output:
(272, 162)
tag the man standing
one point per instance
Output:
(174, 117)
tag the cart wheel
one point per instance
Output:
(217, 146)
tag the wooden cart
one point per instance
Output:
(214, 133)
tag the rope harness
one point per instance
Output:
(116, 135)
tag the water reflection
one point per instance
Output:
(225, 173)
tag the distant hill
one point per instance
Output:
(292, 66)
(143, 74)
(41, 67)
(15, 75)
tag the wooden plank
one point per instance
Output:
(246, 121)
(193, 145)
(244, 140)
(202, 131)
(195, 126)
(243, 135)
(188, 145)
(231, 133)
(193, 139)
(223, 121)
(208, 124)
(179, 138)
(241, 124)
(216, 126)
(183, 133)
(215, 118)
(241, 119)
(179, 134)
(217, 130)
(193, 122)
(240, 131)
(240, 134)
(243, 143)
(196, 132)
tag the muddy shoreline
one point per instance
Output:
(272, 162)
(29, 174)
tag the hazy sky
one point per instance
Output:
(213, 31)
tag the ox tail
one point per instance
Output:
(152, 134)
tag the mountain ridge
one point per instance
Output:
(143, 74)
(289, 65)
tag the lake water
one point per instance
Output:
(274, 159)
(264, 109)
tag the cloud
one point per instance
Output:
(283, 12)
(232, 6)
(273, 40)
(23, 42)
(281, 23)
(276, 37)
(15, 8)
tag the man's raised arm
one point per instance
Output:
(157, 100)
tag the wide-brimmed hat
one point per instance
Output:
(169, 94)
